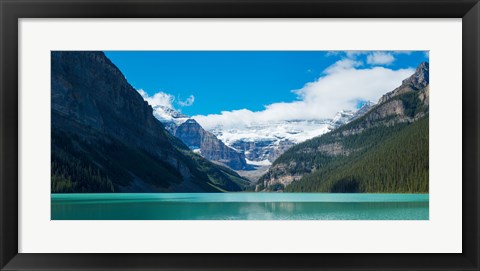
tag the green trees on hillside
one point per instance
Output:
(98, 166)
(397, 163)
(70, 173)
(303, 158)
(412, 103)
(383, 151)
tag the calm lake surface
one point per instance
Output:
(239, 206)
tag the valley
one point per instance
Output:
(250, 149)
(109, 137)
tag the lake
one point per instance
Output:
(239, 206)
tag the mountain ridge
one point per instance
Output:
(106, 139)
(208, 145)
(304, 166)
(199, 140)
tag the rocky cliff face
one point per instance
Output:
(406, 104)
(169, 117)
(341, 118)
(265, 150)
(198, 139)
(89, 91)
(345, 116)
(366, 107)
(263, 142)
(103, 129)
(418, 81)
(208, 145)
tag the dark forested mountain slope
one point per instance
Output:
(106, 139)
(385, 150)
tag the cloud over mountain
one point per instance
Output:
(339, 87)
(159, 98)
(187, 102)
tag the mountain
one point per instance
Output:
(417, 82)
(198, 139)
(345, 116)
(385, 150)
(342, 118)
(169, 117)
(208, 145)
(106, 139)
(262, 143)
(253, 146)
(366, 106)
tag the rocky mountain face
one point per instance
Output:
(341, 118)
(208, 145)
(106, 139)
(252, 146)
(417, 82)
(307, 164)
(262, 151)
(345, 116)
(169, 117)
(198, 139)
(262, 143)
(367, 106)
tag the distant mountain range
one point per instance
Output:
(258, 144)
(106, 139)
(385, 149)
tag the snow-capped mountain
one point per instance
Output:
(260, 143)
(165, 113)
(170, 117)
(264, 142)
(366, 106)
(209, 146)
(197, 139)
(341, 118)
(346, 116)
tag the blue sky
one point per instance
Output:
(209, 82)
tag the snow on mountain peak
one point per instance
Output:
(266, 141)
(263, 142)
(167, 114)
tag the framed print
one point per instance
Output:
(239, 135)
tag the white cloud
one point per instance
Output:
(160, 102)
(372, 57)
(159, 98)
(333, 53)
(380, 58)
(340, 87)
(354, 54)
(341, 65)
(165, 99)
(188, 102)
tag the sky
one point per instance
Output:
(232, 87)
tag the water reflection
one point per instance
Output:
(161, 209)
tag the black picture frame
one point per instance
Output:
(12, 10)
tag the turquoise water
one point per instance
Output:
(239, 206)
